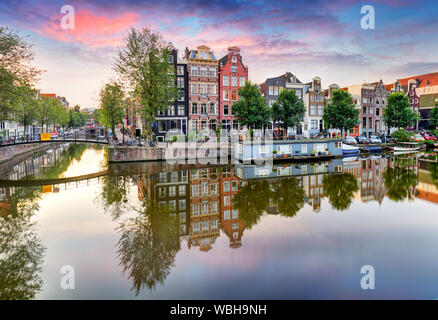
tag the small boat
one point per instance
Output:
(348, 149)
(372, 149)
(405, 146)
(350, 159)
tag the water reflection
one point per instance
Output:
(160, 210)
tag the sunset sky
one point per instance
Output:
(308, 38)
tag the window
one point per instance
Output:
(204, 207)
(182, 204)
(181, 110)
(194, 108)
(235, 214)
(312, 110)
(212, 89)
(195, 190)
(204, 189)
(317, 98)
(233, 68)
(203, 88)
(213, 224)
(182, 190)
(194, 88)
(181, 95)
(320, 110)
(195, 226)
(182, 217)
(225, 81)
(233, 81)
(364, 110)
(203, 72)
(170, 59)
(234, 59)
(314, 125)
(162, 192)
(242, 81)
(312, 98)
(233, 95)
(212, 72)
(364, 100)
(172, 205)
(180, 82)
(304, 148)
(235, 226)
(194, 71)
(213, 207)
(377, 112)
(227, 215)
(172, 191)
(213, 189)
(212, 108)
(180, 70)
(371, 110)
(234, 186)
(226, 95)
(203, 108)
(226, 110)
(227, 200)
(171, 111)
(227, 186)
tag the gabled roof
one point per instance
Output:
(424, 80)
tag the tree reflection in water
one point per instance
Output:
(285, 195)
(400, 179)
(148, 245)
(21, 250)
(340, 189)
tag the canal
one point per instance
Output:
(151, 231)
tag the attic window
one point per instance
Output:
(234, 59)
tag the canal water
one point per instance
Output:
(155, 231)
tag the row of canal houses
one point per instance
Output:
(209, 86)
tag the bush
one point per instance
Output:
(174, 139)
(402, 135)
(434, 132)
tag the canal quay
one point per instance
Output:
(161, 230)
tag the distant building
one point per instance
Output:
(232, 75)
(203, 91)
(314, 104)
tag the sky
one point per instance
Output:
(306, 37)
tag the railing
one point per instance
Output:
(80, 136)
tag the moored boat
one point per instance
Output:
(349, 149)
(405, 146)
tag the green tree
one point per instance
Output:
(288, 110)
(433, 118)
(340, 189)
(251, 109)
(143, 62)
(398, 113)
(341, 113)
(16, 70)
(400, 179)
(25, 109)
(289, 196)
(111, 104)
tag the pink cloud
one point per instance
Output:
(90, 29)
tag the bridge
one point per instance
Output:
(82, 136)
(55, 181)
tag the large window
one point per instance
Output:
(194, 88)
(225, 81)
(212, 108)
(314, 124)
(234, 95)
(226, 110)
(312, 110)
(203, 72)
(180, 82)
(203, 108)
(181, 110)
(233, 68)
(212, 72)
(180, 70)
(226, 97)
(212, 89)
(242, 81)
(194, 108)
(194, 71)
(203, 88)
(234, 81)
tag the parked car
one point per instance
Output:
(430, 137)
(390, 139)
(417, 137)
(350, 140)
(375, 139)
(363, 139)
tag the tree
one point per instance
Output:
(400, 179)
(433, 118)
(340, 189)
(15, 68)
(289, 196)
(288, 109)
(111, 104)
(25, 107)
(143, 62)
(398, 113)
(341, 113)
(251, 109)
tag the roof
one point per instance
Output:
(287, 77)
(430, 79)
(223, 60)
(428, 100)
(48, 95)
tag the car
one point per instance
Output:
(363, 139)
(350, 140)
(375, 139)
(390, 139)
(429, 137)
(418, 138)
